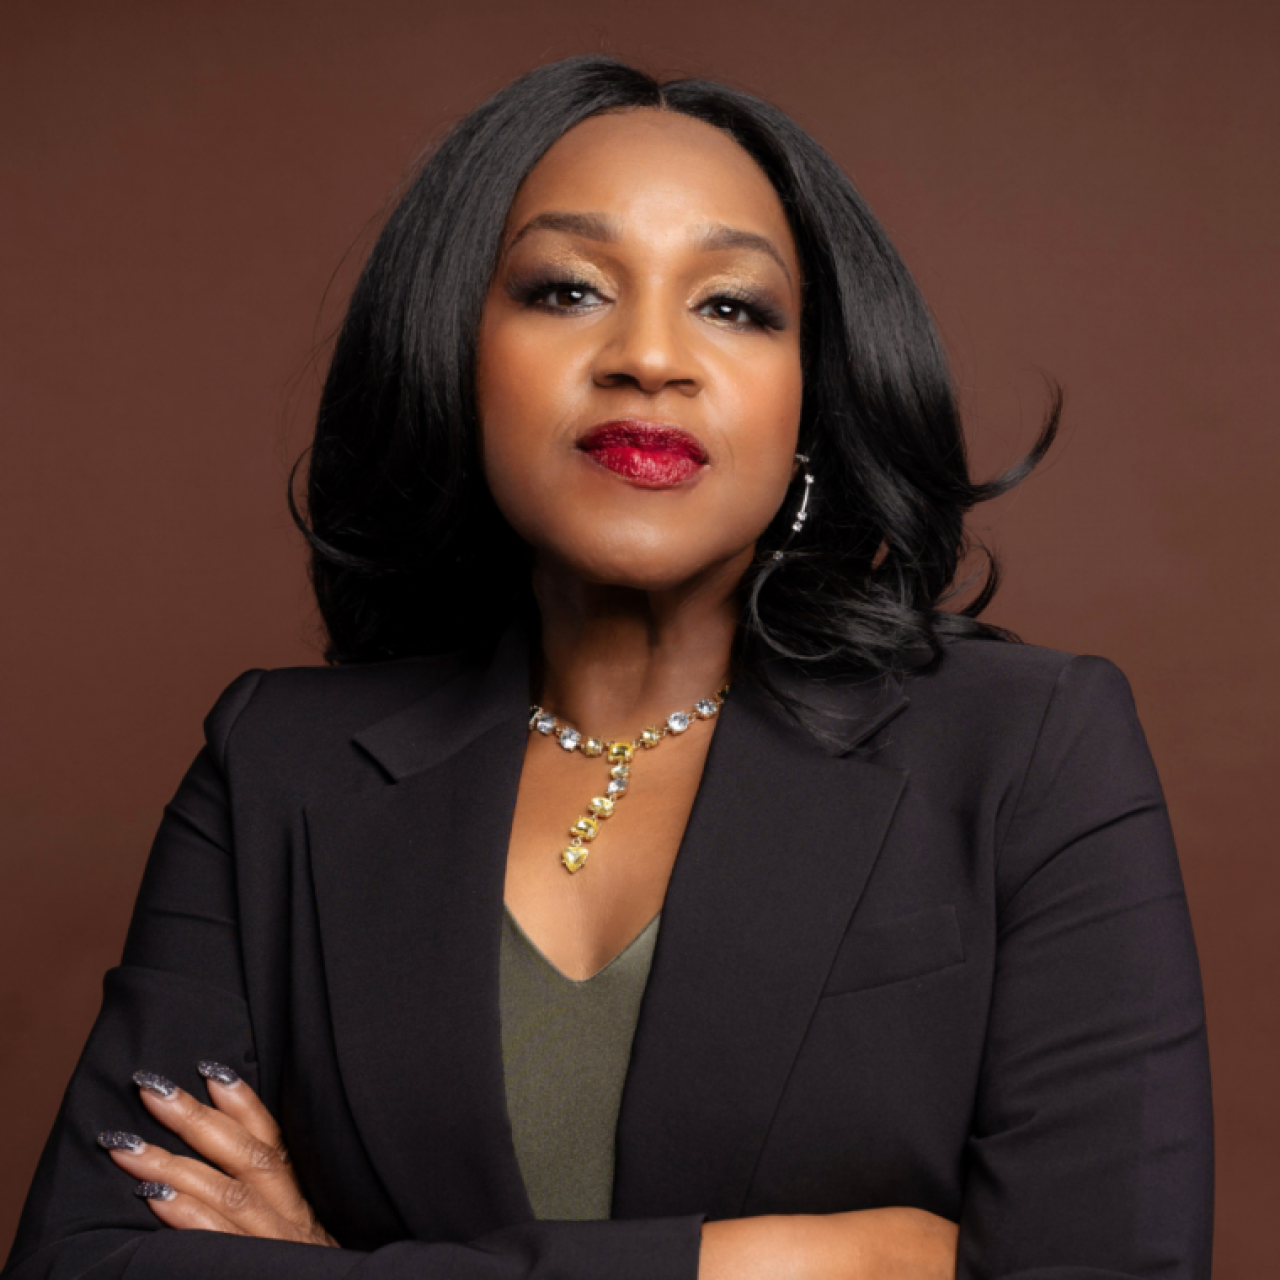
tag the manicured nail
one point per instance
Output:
(154, 1191)
(156, 1084)
(216, 1072)
(118, 1140)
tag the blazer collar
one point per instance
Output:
(838, 713)
(482, 693)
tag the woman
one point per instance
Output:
(637, 416)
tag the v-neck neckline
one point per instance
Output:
(577, 983)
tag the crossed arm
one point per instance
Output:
(245, 1186)
(1091, 1150)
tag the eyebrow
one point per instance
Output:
(713, 238)
(589, 226)
(716, 237)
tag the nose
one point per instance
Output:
(647, 346)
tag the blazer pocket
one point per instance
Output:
(894, 950)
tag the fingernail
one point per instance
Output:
(118, 1140)
(154, 1191)
(216, 1072)
(156, 1084)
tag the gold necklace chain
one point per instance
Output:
(620, 754)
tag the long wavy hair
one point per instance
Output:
(410, 555)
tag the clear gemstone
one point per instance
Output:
(677, 722)
(545, 723)
(616, 786)
(569, 738)
(706, 708)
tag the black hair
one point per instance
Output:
(409, 554)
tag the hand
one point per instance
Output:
(251, 1192)
(868, 1244)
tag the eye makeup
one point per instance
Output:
(758, 304)
(534, 287)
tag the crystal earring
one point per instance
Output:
(803, 514)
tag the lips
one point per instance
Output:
(649, 454)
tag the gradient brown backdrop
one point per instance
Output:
(1089, 188)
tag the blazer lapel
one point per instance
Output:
(409, 882)
(781, 840)
(409, 879)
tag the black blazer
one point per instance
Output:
(928, 947)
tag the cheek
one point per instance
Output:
(524, 394)
(760, 407)
(522, 388)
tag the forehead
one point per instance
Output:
(653, 167)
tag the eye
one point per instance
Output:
(561, 295)
(740, 313)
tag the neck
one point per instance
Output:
(615, 659)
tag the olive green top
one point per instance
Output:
(565, 1049)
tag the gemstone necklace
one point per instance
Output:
(620, 755)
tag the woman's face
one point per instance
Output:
(638, 374)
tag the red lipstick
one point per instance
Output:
(649, 454)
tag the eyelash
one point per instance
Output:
(761, 315)
(534, 293)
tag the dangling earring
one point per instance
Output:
(803, 514)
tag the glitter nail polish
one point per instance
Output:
(118, 1140)
(216, 1072)
(154, 1191)
(156, 1084)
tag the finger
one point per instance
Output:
(239, 1205)
(184, 1213)
(234, 1098)
(227, 1144)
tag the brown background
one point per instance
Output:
(1087, 188)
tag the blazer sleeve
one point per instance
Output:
(1091, 1152)
(180, 990)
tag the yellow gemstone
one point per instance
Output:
(620, 752)
(650, 737)
(620, 771)
(593, 747)
(601, 806)
(585, 828)
(573, 856)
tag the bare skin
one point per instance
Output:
(247, 1188)
(636, 586)
(648, 272)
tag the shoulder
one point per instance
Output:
(1063, 728)
(294, 711)
(1007, 684)
(1017, 720)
